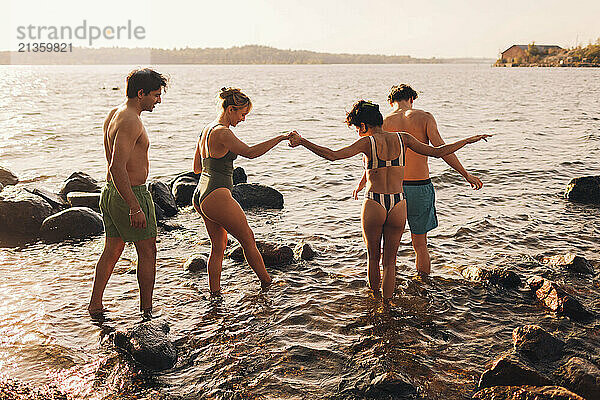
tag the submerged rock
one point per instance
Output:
(569, 261)
(526, 393)
(303, 251)
(195, 263)
(83, 199)
(585, 189)
(494, 276)
(57, 202)
(22, 212)
(149, 345)
(79, 182)
(239, 175)
(582, 377)
(251, 195)
(162, 197)
(7, 177)
(387, 385)
(508, 370)
(273, 255)
(183, 190)
(556, 299)
(537, 344)
(72, 223)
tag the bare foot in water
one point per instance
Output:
(96, 311)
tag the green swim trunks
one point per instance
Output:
(115, 213)
(420, 206)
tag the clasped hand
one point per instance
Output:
(294, 138)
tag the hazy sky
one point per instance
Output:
(457, 28)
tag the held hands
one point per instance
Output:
(477, 138)
(294, 138)
(137, 218)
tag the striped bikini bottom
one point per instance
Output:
(386, 200)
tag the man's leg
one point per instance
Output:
(423, 261)
(146, 271)
(113, 247)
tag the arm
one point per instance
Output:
(438, 151)
(125, 138)
(197, 166)
(436, 140)
(360, 146)
(360, 186)
(234, 144)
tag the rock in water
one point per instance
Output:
(1, 187)
(80, 182)
(526, 393)
(303, 251)
(57, 202)
(582, 377)
(508, 370)
(239, 175)
(571, 262)
(162, 196)
(196, 263)
(149, 345)
(22, 212)
(494, 276)
(84, 199)
(190, 174)
(7, 177)
(72, 223)
(537, 344)
(254, 195)
(585, 189)
(556, 299)
(183, 190)
(273, 255)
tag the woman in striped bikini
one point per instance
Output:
(384, 209)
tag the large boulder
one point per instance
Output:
(57, 202)
(569, 261)
(148, 344)
(22, 212)
(273, 255)
(183, 190)
(251, 195)
(536, 344)
(509, 370)
(556, 299)
(582, 377)
(72, 223)
(585, 189)
(189, 174)
(526, 393)
(162, 197)
(84, 199)
(7, 177)
(493, 276)
(79, 182)
(239, 175)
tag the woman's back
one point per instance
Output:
(382, 178)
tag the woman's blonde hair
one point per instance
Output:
(229, 96)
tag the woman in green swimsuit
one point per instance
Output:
(216, 149)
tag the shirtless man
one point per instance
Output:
(126, 205)
(418, 189)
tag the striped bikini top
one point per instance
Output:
(396, 162)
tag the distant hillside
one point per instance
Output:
(236, 55)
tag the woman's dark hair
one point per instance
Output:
(145, 79)
(364, 112)
(229, 96)
(401, 92)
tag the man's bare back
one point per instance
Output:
(126, 124)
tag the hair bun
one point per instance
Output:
(228, 91)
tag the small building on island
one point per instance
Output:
(521, 52)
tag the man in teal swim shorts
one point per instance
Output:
(418, 189)
(126, 205)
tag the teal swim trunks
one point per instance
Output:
(420, 206)
(115, 214)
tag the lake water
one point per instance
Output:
(317, 331)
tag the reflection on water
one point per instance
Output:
(317, 332)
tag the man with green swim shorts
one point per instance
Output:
(126, 205)
(418, 189)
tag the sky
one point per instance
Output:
(423, 28)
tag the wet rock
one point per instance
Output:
(72, 223)
(387, 385)
(1, 187)
(22, 212)
(148, 344)
(582, 377)
(585, 189)
(494, 276)
(273, 255)
(537, 344)
(196, 263)
(526, 393)
(239, 175)
(57, 202)
(169, 227)
(12, 389)
(508, 370)
(556, 299)
(159, 213)
(303, 251)
(183, 190)
(7, 177)
(569, 261)
(195, 177)
(79, 182)
(162, 197)
(83, 199)
(254, 195)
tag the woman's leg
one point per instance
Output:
(373, 217)
(392, 233)
(218, 244)
(222, 209)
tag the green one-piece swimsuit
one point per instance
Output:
(216, 173)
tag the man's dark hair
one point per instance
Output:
(401, 92)
(145, 79)
(364, 112)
